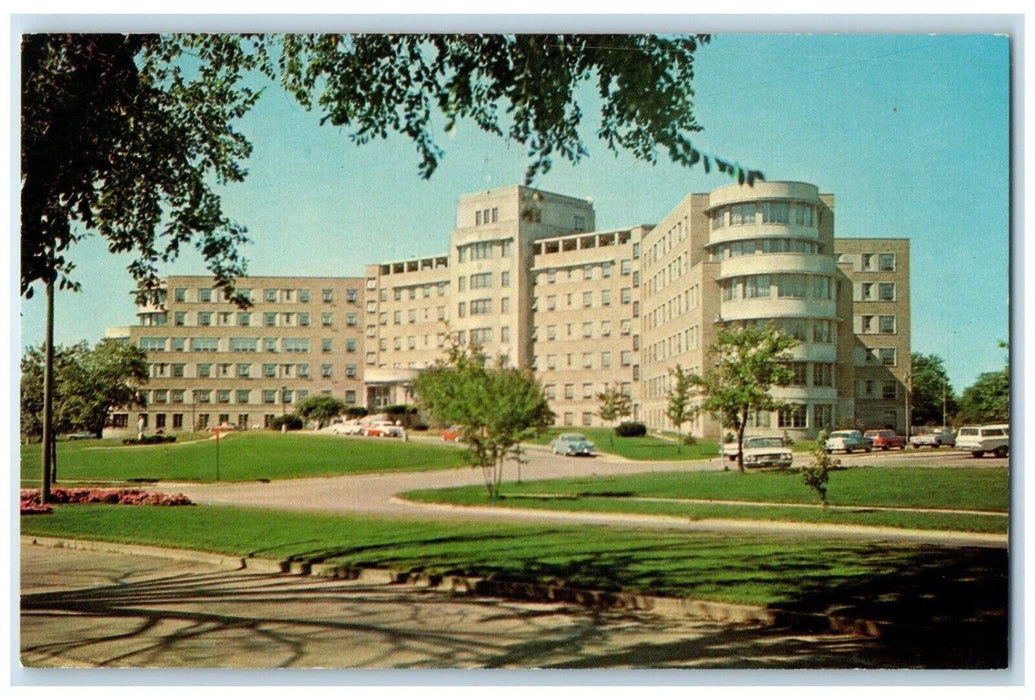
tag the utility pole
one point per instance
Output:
(48, 395)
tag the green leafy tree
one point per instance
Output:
(89, 384)
(614, 405)
(748, 362)
(321, 409)
(932, 398)
(495, 406)
(816, 475)
(680, 409)
(988, 399)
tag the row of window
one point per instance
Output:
(237, 344)
(483, 250)
(269, 318)
(752, 213)
(783, 286)
(735, 249)
(269, 295)
(584, 273)
(876, 324)
(242, 370)
(675, 344)
(588, 390)
(482, 280)
(625, 328)
(240, 396)
(588, 360)
(481, 307)
(872, 262)
(876, 389)
(585, 301)
(410, 292)
(486, 216)
(875, 291)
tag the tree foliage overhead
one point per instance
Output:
(521, 87)
(931, 391)
(89, 384)
(494, 407)
(123, 136)
(748, 362)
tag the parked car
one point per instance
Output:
(979, 439)
(886, 439)
(572, 444)
(383, 430)
(451, 434)
(933, 437)
(348, 428)
(766, 451)
(81, 436)
(847, 440)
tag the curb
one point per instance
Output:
(473, 585)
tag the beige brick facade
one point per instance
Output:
(527, 277)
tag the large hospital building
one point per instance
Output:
(528, 276)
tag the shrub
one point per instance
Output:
(353, 412)
(420, 427)
(630, 429)
(150, 440)
(689, 440)
(123, 497)
(292, 422)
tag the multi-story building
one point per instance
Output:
(211, 363)
(528, 278)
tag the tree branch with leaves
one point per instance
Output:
(748, 361)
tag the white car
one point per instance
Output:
(763, 451)
(979, 439)
(848, 440)
(348, 428)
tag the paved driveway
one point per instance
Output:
(93, 609)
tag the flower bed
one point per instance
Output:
(30, 504)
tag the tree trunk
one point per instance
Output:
(740, 442)
(48, 396)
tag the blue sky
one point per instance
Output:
(909, 132)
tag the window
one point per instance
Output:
(303, 369)
(205, 369)
(505, 334)
(350, 345)
(179, 318)
(887, 291)
(804, 215)
(626, 358)
(887, 324)
(204, 344)
(223, 396)
(605, 359)
(244, 395)
(326, 344)
(792, 416)
(244, 318)
(244, 369)
(481, 307)
(886, 262)
(587, 391)
(866, 324)
(505, 278)
(481, 280)
(799, 371)
(325, 370)
(756, 286)
(205, 294)
(795, 327)
(776, 213)
(152, 344)
(867, 261)
(821, 331)
(328, 295)
(296, 344)
(179, 344)
(605, 328)
(350, 396)
(605, 297)
(180, 294)
(823, 374)
(626, 326)
(889, 390)
(269, 396)
(821, 288)
(626, 295)
(587, 299)
(790, 286)
(587, 360)
(161, 396)
(269, 344)
(866, 291)
(244, 344)
(587, 329)
(822, 415)
(887, 356)
(270, 295)
(269, 318)
(177, 369)
(479, 336)
(742, 214)
(303, 318)
(269, 370)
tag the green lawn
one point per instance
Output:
(862, 489)
(792, 572)
(644, 448)
(242, 457)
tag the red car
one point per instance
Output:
(886, 439)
